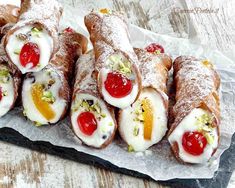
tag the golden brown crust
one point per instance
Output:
(43, 13)
(109, 35)
(196, 84)
(8, 14)
(85, 82)
(15, 73)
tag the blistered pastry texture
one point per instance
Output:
(109, 35)
(154, 70)
(196, 84)
(72, 45)
(15, 73)
(86, 84)
(8, 14)
(45, 13)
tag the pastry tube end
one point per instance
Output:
(118, 77)
(92, 119)
(47, 93)
(10, 80)
(195, 134)
(144, 123)
(8, 14)
(33, 40)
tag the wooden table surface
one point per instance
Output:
(209, 21)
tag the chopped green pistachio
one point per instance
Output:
(140, 117)
(103, 129)
(85, 104)
(209, 138)
(24, 112)
(97, 108)
(48, 96)
(48, 72)
(110, 124)
(130, 148)
(103, 115)
(157, 52)
(124, 66)
(37, 124)
(4, 72)
(36, 32)
(5, 93)
(17, 51)
(136, 130)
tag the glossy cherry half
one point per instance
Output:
(154, 47)
(194, 142)
(87, 123)
(30, 54)
(117, 85)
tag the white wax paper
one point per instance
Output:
(158, 162)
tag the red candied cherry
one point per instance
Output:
(87, 123)
(30, 54)
(68, 30)
(1, 93)
(155, 48)
(117, 85)
(194, 142)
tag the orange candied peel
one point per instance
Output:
(148, 118)
(43, 107)
(207, 63)
(104, 11)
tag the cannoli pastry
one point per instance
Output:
(92, 118)
(194, 135)
(46, 94)
(10, 79)
(8, 14)
(33, 40)
(118, 77)
(144, 123)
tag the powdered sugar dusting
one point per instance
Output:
(196, 85)
(44, 12)
(84, 80)
(109, 34)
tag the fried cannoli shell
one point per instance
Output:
(43, 13)
(109, 35)
(8, 14)
(196, 86)
(85, 82)
(14, 71)
(72, 45)
(154, 70)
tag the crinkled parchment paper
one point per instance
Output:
(158, 162)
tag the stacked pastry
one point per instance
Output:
(92, 118)
(112, 76)
(46, 94)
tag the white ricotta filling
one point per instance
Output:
(127, 123)
(105, 127)
(189, 123)
(117, 102)
(30, 109)
(44, 42)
